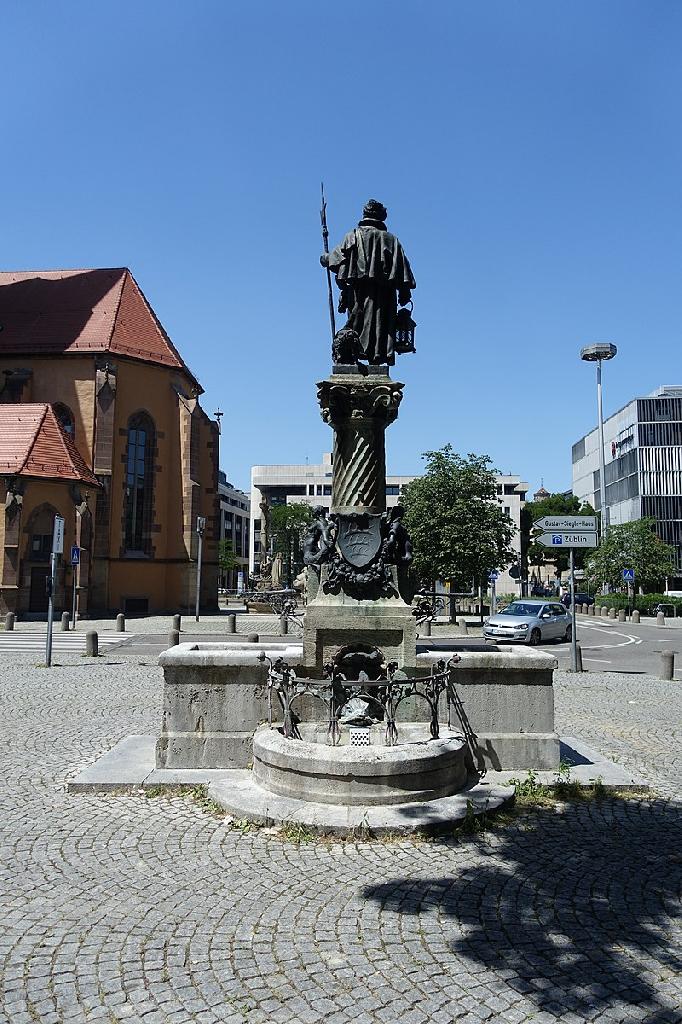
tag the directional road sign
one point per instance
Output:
(568, 540)
(58, 536)
(629, 575)
(559, 524)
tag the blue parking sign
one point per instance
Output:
(75, 554)
(629, 575)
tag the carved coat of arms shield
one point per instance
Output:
(359, 538)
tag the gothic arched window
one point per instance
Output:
(139, 482)
(65, 417)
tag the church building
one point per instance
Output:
(100, 422)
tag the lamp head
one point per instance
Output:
(600, 350)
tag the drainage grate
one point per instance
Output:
(359, 737)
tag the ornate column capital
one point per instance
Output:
(343, 398)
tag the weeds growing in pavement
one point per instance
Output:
(198, 794)
(296, 832)
(530, 792)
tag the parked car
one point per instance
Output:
(579, 599)
(529, 622)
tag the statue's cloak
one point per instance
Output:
(373, 273)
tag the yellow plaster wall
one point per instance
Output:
(167, 580)
(67, 379)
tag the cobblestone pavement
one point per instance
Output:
(127, 909)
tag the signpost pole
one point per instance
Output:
(574, 640)
(57, 548)
(50, 609)
(74, 573)
(201, 523)
(76, 570)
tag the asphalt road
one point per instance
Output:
(607, 646)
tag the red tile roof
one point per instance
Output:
(33, 443)
(45, 312)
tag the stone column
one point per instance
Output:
(359, 408)
(371, 611)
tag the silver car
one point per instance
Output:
(530, 622)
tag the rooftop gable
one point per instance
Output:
(50, 312)
(34, 444)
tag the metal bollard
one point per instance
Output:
(174, 638)
(578, 658)
(612, 613)
(283, 625)
(177, 622)
(10, 619)
(426, 627)
(120, 623)
(231, 623)
(635, 616)
(91, 643)
(667, 665)
(65, 622)
(660, 619)
(252, 638)
(621, 614)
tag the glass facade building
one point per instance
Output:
(643, 466)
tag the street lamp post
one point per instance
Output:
(597, 354)
(201, 526)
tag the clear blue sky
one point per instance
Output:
(529, 154)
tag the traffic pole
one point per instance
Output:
(201, 524)
(50, 610)
(574, 639)
(74, 571)
(57, 548)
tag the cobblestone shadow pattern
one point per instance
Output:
(123, 909)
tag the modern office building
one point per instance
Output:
(643, 459)
(280, 485)
(235, 523)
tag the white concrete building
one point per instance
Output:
(235, 526)
(312, 484)
(643, 466)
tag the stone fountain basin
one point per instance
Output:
(416, 769)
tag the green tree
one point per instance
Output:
(631, 546)
(288, 523)
(226, 558)
(536, 554)
(457, 528)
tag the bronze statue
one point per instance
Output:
(374, 277)
(398, 546)
(318, 542)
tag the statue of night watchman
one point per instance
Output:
(374, 278)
